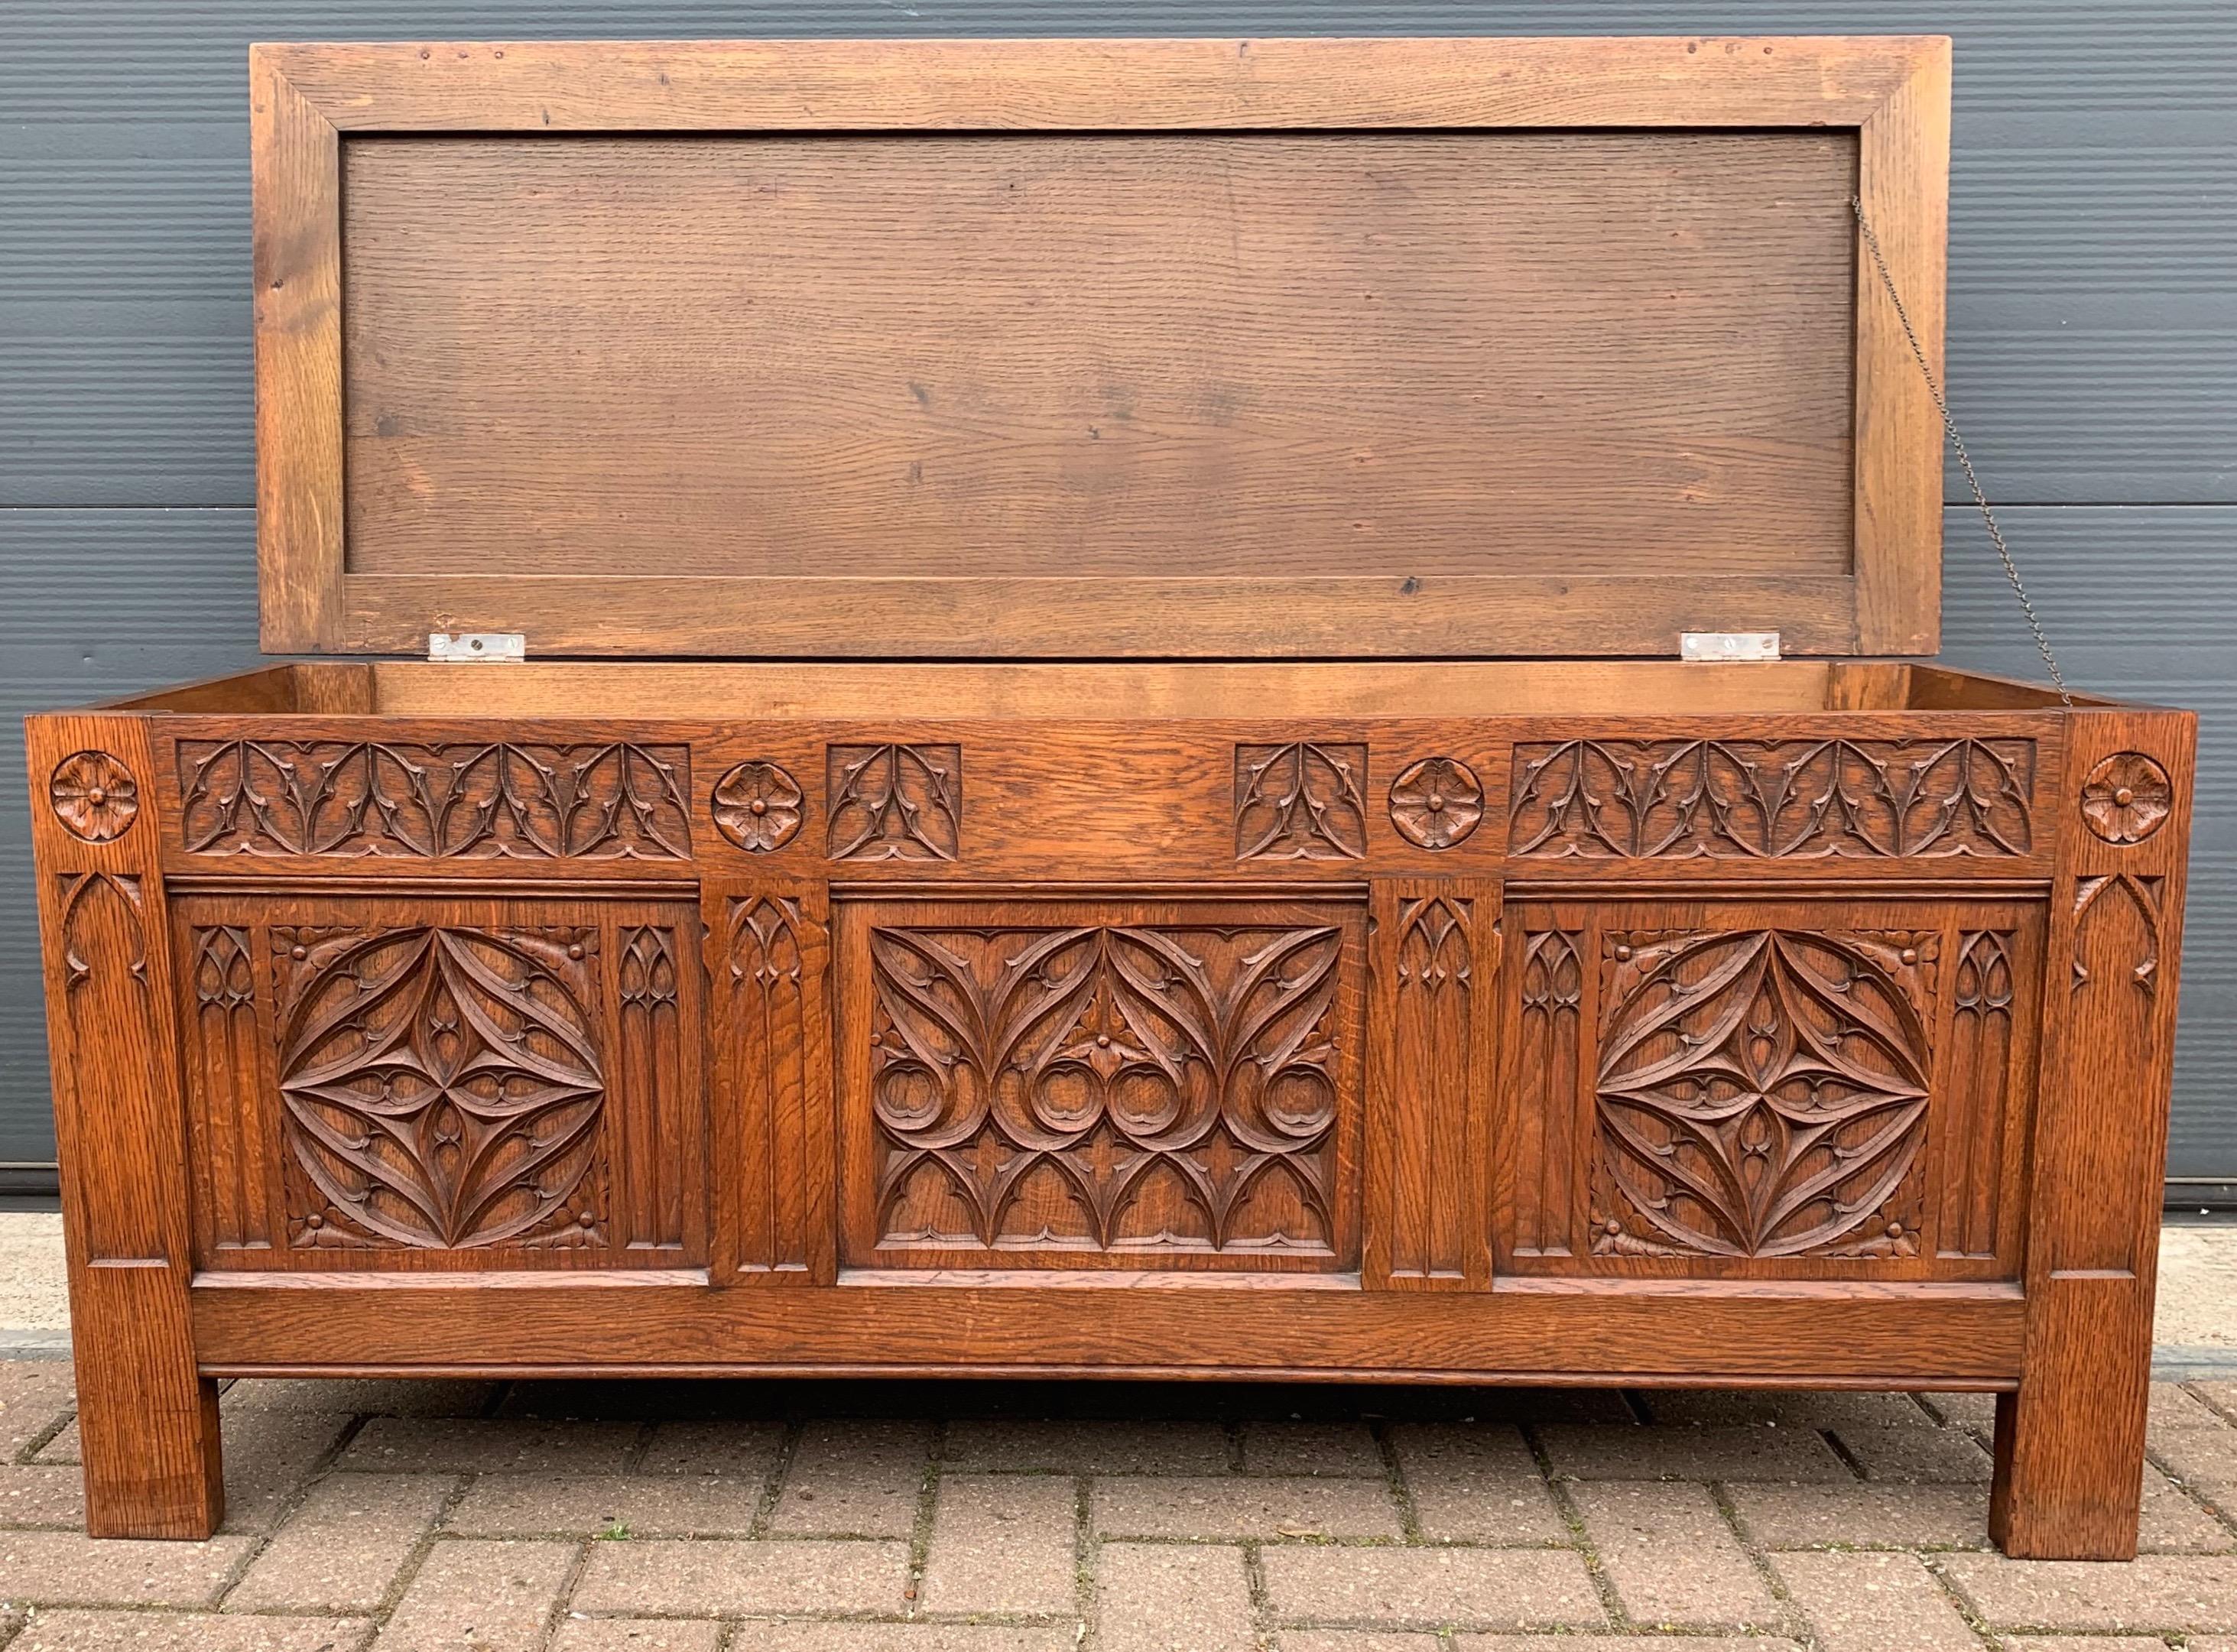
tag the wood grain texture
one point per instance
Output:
(1250, 356)
(1434, 1061)
(1223, 356)
(148, 1419)
(429, 1081)
(1800, 1335)
(768, 1056)
(1143, 85)
(2070, 1444)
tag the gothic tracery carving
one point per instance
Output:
(1772, 798)
(1107, 1088)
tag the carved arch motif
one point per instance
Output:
(1305, 800)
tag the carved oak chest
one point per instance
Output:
(1102, 781)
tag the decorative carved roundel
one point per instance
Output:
(758, 807)
(94, 796)
(1436, 802)
(2127, 798)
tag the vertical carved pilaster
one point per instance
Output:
(148, 1419)
(225, 1105)
(1435, 953)
(768, 952)
(1975, 1080)
(1544, 1075)
(651, 1075)
(2070, 1443)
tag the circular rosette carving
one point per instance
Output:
(1436, 802)
(2127, 798)
(94, 796)
(758, 807)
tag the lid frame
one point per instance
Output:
(1892, 91)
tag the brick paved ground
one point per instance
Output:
(676, 1517)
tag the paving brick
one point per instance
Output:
(1616, 1644)
(363, 1396)
(1358, 1640)
(343, 1546)
(491, 1596)
(2203, 1459)
(1918, 1452)
(1481, 1587)
(2174, 1523)
(1002, 1543)
(854, 1478)
(900, 1637)
(1671, 1557)
(80, 1631)
(715, 1578)
(33, 1393)
(2151, 1592)
(587, 1505)
(39, 1495)
(1239, 1506)
(635, 1635)
(716, 1447)
(2092, 1643)
(1808, 1408)
(1864, 1517)
(70, 1568)
(1476, 1483)
(62, 1448)
(2221, 1394)
(266, 1460)
(1971, 1411)
(1593, 1453)
(2173, 1407)
(1086, 1446)
(1164, 1597)
(1870, 1602)
(1312, 1448)
(489, 1445)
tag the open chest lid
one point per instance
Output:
(1098, 349)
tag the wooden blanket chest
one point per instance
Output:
(1102, 781)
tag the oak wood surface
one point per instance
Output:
(1261, 357)
(1138, 382)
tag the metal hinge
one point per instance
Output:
(1717, 648)
(470, 646)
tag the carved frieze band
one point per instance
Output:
(615, 800)
(1304, 800)
(893, 802)
(442, 1086)
(1771, 799)
(1763, 1093)
(1144, 1089)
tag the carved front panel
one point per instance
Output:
(1766, 1087)
(1103, 1084)
(379, 1083)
